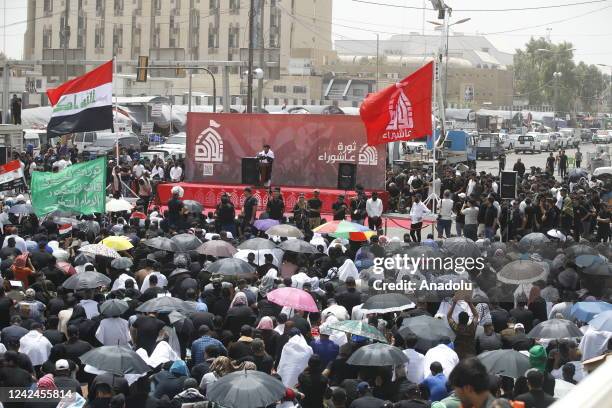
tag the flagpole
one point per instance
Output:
(115, 109)
(434, 142)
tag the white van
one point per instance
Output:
(83, 139)
(34, 137)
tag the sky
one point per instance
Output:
(586, 26)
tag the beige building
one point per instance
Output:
(296, 38)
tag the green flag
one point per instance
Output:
(80, 188)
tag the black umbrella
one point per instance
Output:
(461, 247)
(509, 363)
(256, 244)
(186, 242)
(576, 174)
(427, 329)
(378, 354)
(246, 389)
(193, 206)
(86, 280)
(580, 249)
(231, 267)
(520, 271)
(114, 307)
(299, 246)
(555, 329)
(122, 263)
(533, 242)
(165, 304)
(118, 360)
(387, 303)
(599, 269)
(162, 243)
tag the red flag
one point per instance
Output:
(401, 111)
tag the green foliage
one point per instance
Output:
(578, 89)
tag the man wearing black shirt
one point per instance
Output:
(5, 310)
(339, 208)
(562, 164)
(351, 297)
(145, 331)
(490, 219)
(249, 208)
(358, 207)
(550, 164)
(9, 249)
(519, 167)
(175, 210)
(314, 210)
(550, 217)
(226, 215)
(41, 258)
(276, 206)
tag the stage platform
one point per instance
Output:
(209, 195)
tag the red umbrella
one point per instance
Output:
(66, 267)
(294, 298)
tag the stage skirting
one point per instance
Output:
(209, 195)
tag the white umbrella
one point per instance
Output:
(557, 234)
(114, 205)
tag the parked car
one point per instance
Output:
(489, 146)
(106, 145)
(175, 144)
(586, 135)
(526, 143)
(509, 140)
(602, 136)
(547, 142)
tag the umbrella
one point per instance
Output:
(165, 304)
(586, 311)
(265, 224)
(427, 329)
(294, 298)
(118, 360)
(520, 271)
(599, 269)
(387, 303)
(555, 329)
(66, 267)
(533, 242)
(377, 355)
(118, 243)
(186, 242)
(162, 243)
(246, 389)
(193, 206)
(21, 209)
(86, 280)
(99, 250)
(556, 234)
(346, 230)
(602, 321)
(359, 328)
(114, 205)
(256, 244)
(66, 220)
(580, 249)
(576, 174)
(217, 248)
(299, 246)
(122, 263)
(586, 260)
(461, 247)
(231, 267)
(114, 307)
(509, 363)
(284, 230)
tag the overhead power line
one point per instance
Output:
(553, 6)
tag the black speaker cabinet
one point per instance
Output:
(347, 176)
(508, 185)
(4, 155)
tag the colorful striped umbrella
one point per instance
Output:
(345, 229)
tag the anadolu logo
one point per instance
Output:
(209, 145)
(368, 155)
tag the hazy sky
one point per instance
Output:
(587, 26)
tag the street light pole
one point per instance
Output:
(557, 77)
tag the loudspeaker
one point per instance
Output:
(347, 176)
(250, 172)
(3, 155)
(508, 184)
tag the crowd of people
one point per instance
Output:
(46, 328)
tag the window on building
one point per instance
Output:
(99, 37)
(118, 7)
(234, 6)
(298, 89)
(213, 4)
(117, 37)
(48, 6)
(233, 38)
(213, 36)
(279, 88)
(47, 37)
(157, 36)
(99, 8)
(358, 92)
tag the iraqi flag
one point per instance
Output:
(401, 111)
(83, 104)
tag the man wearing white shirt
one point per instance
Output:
(176, 173)
(62, 164)
(157, 172)
(414, 366)
(138, 170)
(446, 212)
(35, 345)
(113, 331)
(471, 185)
(374, 209)
(265, 158)
(417, 211)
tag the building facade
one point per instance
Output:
(187, 30)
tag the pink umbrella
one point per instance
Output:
(67, 268)
(294, 298)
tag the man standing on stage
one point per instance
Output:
(276, 206)
(358, 206)
(314, 205)
(265, 158)
(339, 208)
(374, 208)
(249, 209)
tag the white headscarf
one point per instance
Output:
(348, 269)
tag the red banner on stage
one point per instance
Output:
(308, 149)
(401, 111)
